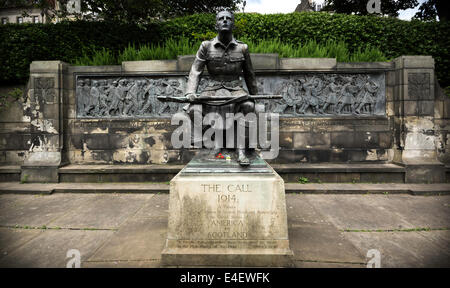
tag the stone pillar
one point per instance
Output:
(44, 109)
(414, 103)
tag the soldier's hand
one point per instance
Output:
(191, 97)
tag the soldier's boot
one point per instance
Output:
(242, 158)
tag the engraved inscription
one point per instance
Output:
(252, 244)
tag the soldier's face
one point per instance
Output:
(224, 21)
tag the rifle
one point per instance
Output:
(227, 99)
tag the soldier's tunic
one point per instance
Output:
(226, 64)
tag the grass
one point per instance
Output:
(303, 180)
(99, 58)
(171, 49)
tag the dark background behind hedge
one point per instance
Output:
(23, 43)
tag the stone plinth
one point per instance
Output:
(223, 215)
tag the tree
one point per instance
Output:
(145, 10)
(432, 8)
(188, 7)
(359, 7)
(49, 8)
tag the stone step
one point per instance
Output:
(9, 173)
(311, 173)
(324, 172)
(313, 188)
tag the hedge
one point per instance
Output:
(67, 41)
(23, 43)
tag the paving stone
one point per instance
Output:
(156, 207)
(401, 249)
(358, 212)
(50, 248)
(139, 239)
(106, 211)
(11, 239)
(323, 243)
(8, 200)
(37, 210)
(420, 211)
(314, 222)
(299, 209)
(438, 238)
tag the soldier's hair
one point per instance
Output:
(232, 14)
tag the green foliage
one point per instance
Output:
(66, 41)
(447, 91)
(171, 49)
(359, 7)
(313, 49)
(100, 57)
(7, 99)
(362, 36)
(429, 9)
(139, 11)
(392, 36)
(368, 54)
(303, 180)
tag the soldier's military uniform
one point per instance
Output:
(226, 65)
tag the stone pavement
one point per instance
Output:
(129, 230)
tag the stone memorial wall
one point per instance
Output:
(330, 112)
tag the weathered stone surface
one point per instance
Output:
(38, 174)
(150, 66)
(425, 108)
(312, 140)
(328, 64)
(116, 209)
(419, 169)
(184, 63)
(264, 61)
(311, 244)
(433, 210)
(140, 239)
(364, 66)
(156, 207)
(215, 219)
(401, 249)
(411, 86)
(12, 239)
(40, 251)
(371, 210)
(37, 210)
(47, 66)
(390, 77)
(95, 69)
(414, 62)
(417, 61)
